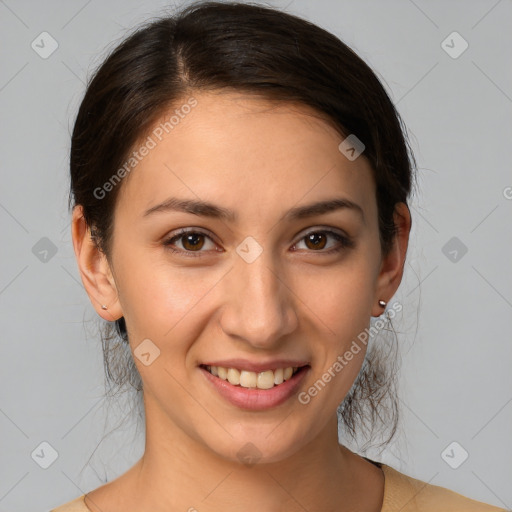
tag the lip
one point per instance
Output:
(254, 399)
(250, 366)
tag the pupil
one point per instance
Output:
(314, 236)
(192, 241)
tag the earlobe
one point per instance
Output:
(94, 269)
(393, 263)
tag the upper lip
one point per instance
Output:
(253, 366)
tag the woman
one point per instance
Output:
(240, 182)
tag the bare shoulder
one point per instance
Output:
(110, 496)
(409, 494)
(103, 498)
(75, 505)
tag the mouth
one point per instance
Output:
(255, 391)
(266, 379)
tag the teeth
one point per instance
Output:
(233, 376)
(248, 379)
(287, 373)
(278, 376)
(265, 380)
(262, 380)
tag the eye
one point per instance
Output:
(191, 240)
(316, 241)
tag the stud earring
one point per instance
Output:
(382, 303)
(103, 306)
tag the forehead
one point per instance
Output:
(235, 147)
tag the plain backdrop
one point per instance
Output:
(455, 330)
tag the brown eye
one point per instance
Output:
(316, 241)
(191, 241)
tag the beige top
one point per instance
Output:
(401, 493)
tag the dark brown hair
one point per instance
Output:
(256, 50)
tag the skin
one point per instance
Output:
(260, 160)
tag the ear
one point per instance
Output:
(392, 267)
(94, 269)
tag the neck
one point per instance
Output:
(177, 472)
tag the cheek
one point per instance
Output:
(342, 298)
(160, 299)
(341, 301)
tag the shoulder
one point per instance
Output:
(407, 494)
(75, 505)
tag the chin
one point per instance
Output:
(258, 445)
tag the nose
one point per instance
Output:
(259, 306)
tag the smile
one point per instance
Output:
(261, 380)
(242, 388)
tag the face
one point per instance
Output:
(254, 282)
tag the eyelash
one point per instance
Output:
(345, 242)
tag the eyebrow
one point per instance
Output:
(206, 209)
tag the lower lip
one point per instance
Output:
(257, 399)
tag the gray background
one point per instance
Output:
(456, 382)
